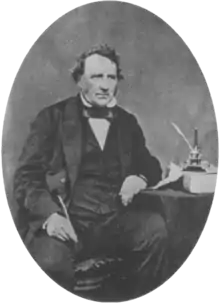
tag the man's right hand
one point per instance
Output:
(60, 227)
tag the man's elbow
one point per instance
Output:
(38, 202)
(153, 172)
(156, 175)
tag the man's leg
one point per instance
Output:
(135, 229)
(138, 228)
(139, 237)
(55, 257)
(143, 239)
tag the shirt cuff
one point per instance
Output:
(143, 178)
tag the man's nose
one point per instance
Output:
(104, 86)
(104, 89)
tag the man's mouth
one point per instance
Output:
(102, 95)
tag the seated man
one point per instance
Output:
(79, 180)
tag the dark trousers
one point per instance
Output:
(137, 235)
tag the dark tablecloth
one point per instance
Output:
(186, 215)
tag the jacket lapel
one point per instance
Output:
(72, 138)
(124, 143)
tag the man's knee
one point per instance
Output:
(50, 254)
(157, 226)
(151, 228)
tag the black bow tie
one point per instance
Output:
(99, 113)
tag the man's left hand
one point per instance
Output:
(130, 187)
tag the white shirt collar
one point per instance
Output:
(112, 103)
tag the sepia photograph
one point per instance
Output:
(110, 151)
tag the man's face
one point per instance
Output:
(99, 81)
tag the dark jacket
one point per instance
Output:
(51, 156)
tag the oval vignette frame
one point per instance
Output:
(175, 86)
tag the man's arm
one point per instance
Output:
(144, 164)
(30, 187)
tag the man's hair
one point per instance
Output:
(103, 50)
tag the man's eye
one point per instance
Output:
(113, 77)
(96, 76)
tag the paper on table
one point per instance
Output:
(175, 172)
